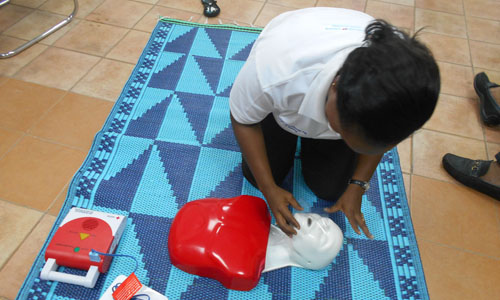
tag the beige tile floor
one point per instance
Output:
(56, 95)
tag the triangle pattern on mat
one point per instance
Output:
(180, 163)
(225, 140)
(244, 53)
(230, 187)
(181, 39)
(218, 120)
(305, 283)
(211, 69)
(211, 289)
(178, 283)
(154, 196)
(239, 40)
(176, 127)
(374, 222)
(148, 125)
(203, 46)
(128, 149)
(168, 77)
(177, 31)
(214, 165)
(119, 190)
(377, 263)
(150, 97)
(337, 285)
(229, 72)
(193, 80)
(374, 192)
(152, 236)
(198, 109)
(279, 283)
(363, 283)
(128, 245)
(220, 39)
(248, 189)
(166, 59)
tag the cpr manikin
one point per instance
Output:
(313, 247)
(231, 240)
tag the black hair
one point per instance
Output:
(389, 87)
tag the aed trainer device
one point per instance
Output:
(81, 231)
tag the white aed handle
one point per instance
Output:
(49, 273)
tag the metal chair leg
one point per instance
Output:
(41, 36)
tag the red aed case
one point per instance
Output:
(81, 231)
(223, 239)
(73, 241)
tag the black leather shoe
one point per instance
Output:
(489, 108)
(469, 173)
(211, 9)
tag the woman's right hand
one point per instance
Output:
(251, 141)
(278, 200)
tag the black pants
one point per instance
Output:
(327, 165)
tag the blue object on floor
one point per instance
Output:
(168, 140)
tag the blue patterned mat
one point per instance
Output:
(168, 141)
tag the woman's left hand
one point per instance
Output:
(350, 204)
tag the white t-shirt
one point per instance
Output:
(291, 67)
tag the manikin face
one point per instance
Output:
(317, 242)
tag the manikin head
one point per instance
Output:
(315, 245)
(317, 242)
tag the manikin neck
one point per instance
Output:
(278, 250)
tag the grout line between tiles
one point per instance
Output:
(28, 15)
(454, 63)
(14, 75)
(13, 146)
(21, 205)
(117, 43)
(57, 143)
(454, 134)
(144, 2)
(58, 195)
(452, 181)
(92, 68)
(459, 249)
(24, 238)
(42, 117)
(183, 10)
(258, 14)
(460, 65)
(86, 73)
(483, 130)
(13, 24)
